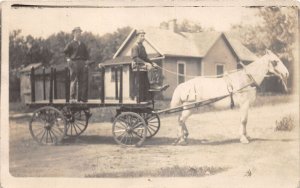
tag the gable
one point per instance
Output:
(125, 49)
(242, 52)
(168, 43)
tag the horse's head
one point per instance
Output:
(277, 68)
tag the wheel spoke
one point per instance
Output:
(131, 136)
(150, 128)
(50, 136)
(138, 125)
(78, 127)
(137, 134)
(123, 135)
(153, 127)
(120, 131)
(53, 134)
(38, 134)
(57, 132)
(75, 128)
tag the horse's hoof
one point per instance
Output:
(182, 143)
(175, 142)
(244, 140)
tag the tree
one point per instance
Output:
(185, 26)
(276, 32)
(24, 50)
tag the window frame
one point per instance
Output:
(184, 70)
(220, 64)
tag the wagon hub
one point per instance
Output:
(129, 129)
(48, 126)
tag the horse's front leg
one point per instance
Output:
(243, 124)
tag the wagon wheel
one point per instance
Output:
(47, 126)
(153, 123)
(129, 129)
(77, 120)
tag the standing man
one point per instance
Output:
(141, 62)
(77, 56)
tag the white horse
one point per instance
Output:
(239, 84)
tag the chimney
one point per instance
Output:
(172, 26)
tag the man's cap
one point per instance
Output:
(140, 32)
(76, 29)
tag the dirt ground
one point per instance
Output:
(272, 157)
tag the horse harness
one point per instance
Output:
(229, 89)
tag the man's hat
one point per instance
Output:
(140, 32)
(76, 29)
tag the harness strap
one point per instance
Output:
(249, 75)
(230, 89)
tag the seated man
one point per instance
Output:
(141, 62)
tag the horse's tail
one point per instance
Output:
(176, 100)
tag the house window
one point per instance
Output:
(181, 72)
(220, 70)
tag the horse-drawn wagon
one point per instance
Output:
(135, 120)
(54, 118)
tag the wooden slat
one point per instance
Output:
(44, 84)
(102, 94)
(116, 83)
(121, 85)
(131, 81)
(87, 82)
(51, 87)
(55, 83)
(139, 88)
(67, 84)
(32, 80)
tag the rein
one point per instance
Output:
(194, 76)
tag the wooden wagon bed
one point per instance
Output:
(91, 103)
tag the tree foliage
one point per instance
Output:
(27, 50)
(276, 32)
(184, 26)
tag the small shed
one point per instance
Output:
(25, 89)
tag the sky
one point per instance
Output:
(42, 22)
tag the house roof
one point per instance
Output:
(169, 43)
(39, 69)
(242, 52)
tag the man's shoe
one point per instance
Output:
(158, 87)
(164, 87)
(155, 86)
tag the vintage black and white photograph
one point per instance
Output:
(150, 93)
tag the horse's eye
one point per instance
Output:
(274, 63)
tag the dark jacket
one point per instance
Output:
(139, 56)
(76, 51)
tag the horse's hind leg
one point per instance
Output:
(183, 132)
(244, 119)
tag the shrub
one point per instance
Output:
(287, 123)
